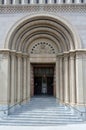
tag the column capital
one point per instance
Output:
(25, 55)
(19, 54)
(59, 55)
(79, 55)
(66, 54)
(13, 53)
(72, 55)
(5, 55)
(66, 57)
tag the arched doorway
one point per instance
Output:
(43, 40)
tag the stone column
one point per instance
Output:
(25, 77)
(28, 78)
(5, 83)
(66, 89)
(72, 78)
(79, 79)
(19, 56)
(61, 79)
(13, 78)
(57, 78)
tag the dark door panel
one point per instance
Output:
(50, 85)
(37, 85)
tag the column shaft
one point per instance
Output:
(19, 78)
(28, 78)
(13, 78)
(66, 91)
(61, 79)
(25, 78)
(79, 79)
(72, 78)
(57, 78)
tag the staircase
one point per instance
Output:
(41, 111)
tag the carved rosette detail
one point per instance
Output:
(43, 48)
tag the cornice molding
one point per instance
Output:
(78, 52)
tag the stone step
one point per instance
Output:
(40, 112)
(42, 118)
(37, 115)
(37, 124)
(44, 112)
(44, 106)
(41, 121)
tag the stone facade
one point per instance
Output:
(42, 33)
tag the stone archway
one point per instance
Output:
(22, 49)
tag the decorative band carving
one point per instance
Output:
(80, 8)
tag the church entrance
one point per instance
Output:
(43, 80)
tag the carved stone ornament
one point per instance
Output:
(43, 48)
